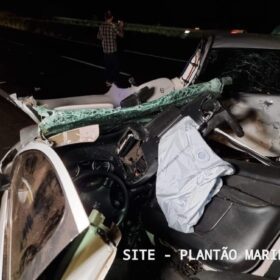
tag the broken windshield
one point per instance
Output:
(252, 70)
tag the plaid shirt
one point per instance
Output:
(107, 33)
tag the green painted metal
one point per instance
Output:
(56, 121)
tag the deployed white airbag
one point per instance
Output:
(189, 175)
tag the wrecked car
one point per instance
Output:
(174, 180)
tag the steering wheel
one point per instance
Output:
(105, 192)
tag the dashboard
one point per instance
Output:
(101, 179)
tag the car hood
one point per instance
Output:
(12, 120)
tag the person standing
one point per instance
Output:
(108, 33)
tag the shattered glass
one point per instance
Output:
(252, 70)
(55, 121)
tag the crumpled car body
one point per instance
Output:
(41, 200)
(67, 182)
(253, 63)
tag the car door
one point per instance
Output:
(41, 212)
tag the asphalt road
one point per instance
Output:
(11, 121)
(49, 68)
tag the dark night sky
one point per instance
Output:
(257, 16)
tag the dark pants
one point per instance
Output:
(112, 66)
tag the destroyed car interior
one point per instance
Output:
(232, 103)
